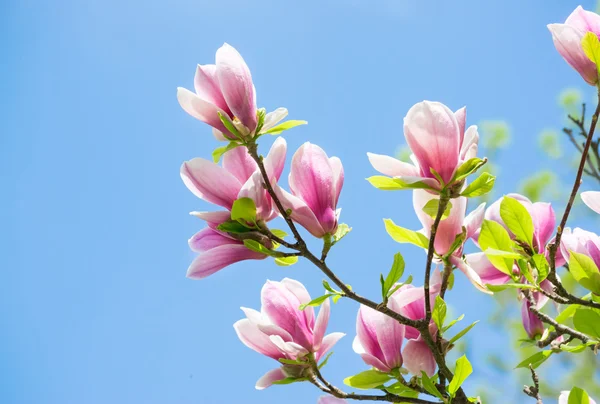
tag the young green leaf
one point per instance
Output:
(451, 323)
(516, 217)
(243, 209)
(316, 302)
(324, 361)
(393, 276)
(286, 261)
(591, 48)
(439, 312)
(429, 386)
(368, 379)
(219, 151)
(229, 125)
(526, 271)
(276, 130)
(535, 360)
(431, 208)
(463, 370)
(542, 266)
(511, 285)
(578, 396)
(585, 272)
(481, 186)
(342, 230)
(467, 168)
(402, 235)
(588, 322)
(394, 184)
(402, 390)
(492, 252)
(494, 236)
(289, 380)
(567, 313)
(258, 247)
(462, 333)
(233, 227)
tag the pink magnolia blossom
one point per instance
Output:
(379, 338)
(564, 398)
(449, 228)
(282, 331)
(592, 200)
(567, 40)
(582, 242)
(316, 182)
(331, 400)
(226, 88)
(531, 323)
(238, 177)
(544, 222)
(438, 140)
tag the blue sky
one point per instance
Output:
(94, 303)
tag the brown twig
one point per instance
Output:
(534, 391)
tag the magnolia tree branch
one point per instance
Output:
(534, 391)
(421, 325)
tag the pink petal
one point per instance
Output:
(321, 324)
(298, 290)
(432, 133)
(207, 239)
(531, 323)
(338, 177)
(210, 182)
(331, 400)
(253, 338)
(592, 200)
(301, 213)
(366, 331)
(235, 81)
(390, 334)
(544, 221)
(567, 40)
(218, 258)
(273, 118)
(239, 163)
(418, 357)
(487, 272)
(206, 85)
(253, 189)
(201, 109)
(269, 378)
(461, 119)
(392, 167)
(474, 220)
(328, 342)
(584, 20)
(290, 348)
(471, 274)
(468, 150)
(213, 219)
(275, 160)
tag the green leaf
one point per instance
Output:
(462, 371)
(429, 386)
(243, 209)
(402, 235)
(279, 233)
(494, 236)
(431, 208)
(219, 151)
(542, 266)
(535, 360)
(286, 261)
(233, 227)
(291, 361)
(467, 168)
(368, 379)
(480, 186)
(591, 48)
(341, 232)
(259, 248)
(588, 322)
(289, 380)
(517, 219)
(451, 323)
(276, 130)
(526, 271)
(439, 312)
(401, 390)
(462, 333)
(316, 301)
(511, 285)
(578, 396)
(261, 113)
(395, 184)
(459, 240)
(398, 286)
(324, 361)
(567, 313)
(492, 252)
(585, 272)
(576, 348)
(393, 276)
(328, 287)
(229, 125)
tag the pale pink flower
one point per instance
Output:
(282, 331)
(531, 323)
(592, 200)
(582, 242)
(567, 40)
(438, 140)
(331, 400)
(315, 182)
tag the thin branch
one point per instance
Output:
(534, 391)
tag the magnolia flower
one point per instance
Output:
(544, 221)
(226, 88)
(239, 177)
(330, 400)
(531, 323)
(449, 228)
(567, 40)
(564, 398)
(379, 338)
(592, 200)
(438, 140)
(316, 182)
(582, 242)
(282, 331)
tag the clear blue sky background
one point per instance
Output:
(94, 304)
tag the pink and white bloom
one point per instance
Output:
(331, 400)
(531, 323)
(449, 228)
(282, 331)
(564, 398)
(567, 39)
(315, 182)
(438, 140)
(582, 242)
(379, 338)
(544, 222)
(592, 200)
(226, 88)
(238, 177)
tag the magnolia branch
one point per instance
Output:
(422, 325)
(534, 391)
